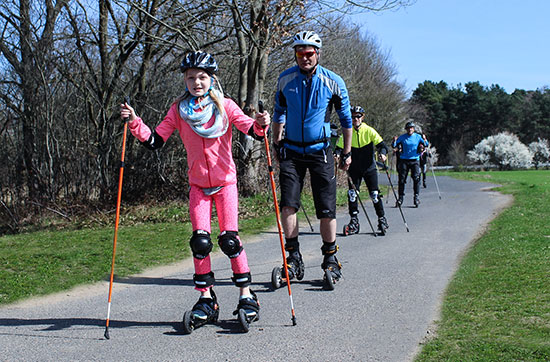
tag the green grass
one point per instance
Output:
(497, 307)
(64, 256)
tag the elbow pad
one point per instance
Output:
(154, 142)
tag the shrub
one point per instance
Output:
(504, 150)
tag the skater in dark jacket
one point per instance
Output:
(408, 145)
(365, 141)
(204, 118)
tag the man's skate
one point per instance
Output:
(296, 269)
(353, 226)
(248, 311)
(399, 201)
(332, 272)
(416, 201)
(331, 266)
(382, 225)
(206, 310)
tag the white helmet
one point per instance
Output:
(307, 38)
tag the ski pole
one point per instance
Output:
(362, 206)
(307, 218)
(383, 165)
(433, 173)
(121, 173)
(278, 216)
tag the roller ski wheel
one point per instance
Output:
(332, 274)
(276, 278)
(328, 280)
(248, 311)
(206, 310)
(352, 228)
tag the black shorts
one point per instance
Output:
(293, 169)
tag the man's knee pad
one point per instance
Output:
(204, 280)
(230, 243)
(374, 196)
(242, 279)
(352, 195)
(200, 243)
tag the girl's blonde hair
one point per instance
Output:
(214, 95)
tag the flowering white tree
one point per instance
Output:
(504, 150)
(540, 151)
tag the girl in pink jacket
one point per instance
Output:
(203, 119)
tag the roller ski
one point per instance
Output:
(331, 266)
(206, 310)
(248, 311)
(416, 201)
(382, 225)
(351, 228)
(296, 269)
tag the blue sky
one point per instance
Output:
(504, 42)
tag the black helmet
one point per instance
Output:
(357, 109)
(409, 125)
(199, 60)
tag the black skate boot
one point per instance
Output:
(416, 201)
(296, 270)
(382, 225)
(204, 311)
(399, 201)
(331, 266)
(248, 311)
(353, 226)
(424, 183)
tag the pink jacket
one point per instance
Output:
(210, 160)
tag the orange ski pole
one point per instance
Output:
(116, 222)
(278, 216)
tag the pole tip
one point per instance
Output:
(293, 320)
(106, 335)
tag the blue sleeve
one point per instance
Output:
(344, 108)
(279, 111)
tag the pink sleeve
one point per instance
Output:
(239, 119)
(142, 132)
(139, 129)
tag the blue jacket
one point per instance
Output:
(305, 107)
(410, 146)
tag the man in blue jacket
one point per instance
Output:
(409, 159)
(305, 97)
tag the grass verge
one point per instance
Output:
(497, 307)
(44, 262)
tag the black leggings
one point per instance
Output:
(403, 168)
(371, 179)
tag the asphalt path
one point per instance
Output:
(382, 309)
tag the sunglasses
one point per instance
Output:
(357, 116)
(305, 53)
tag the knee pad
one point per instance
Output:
(230, 243)
(352, 195)
(374, 196)
(200, 243)
(242, 280)
(204, 280)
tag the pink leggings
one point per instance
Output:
(227, 207)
